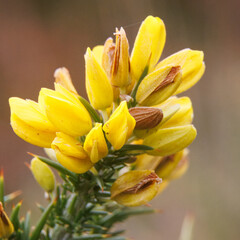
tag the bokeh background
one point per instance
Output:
(36, 37)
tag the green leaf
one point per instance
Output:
(15, 216)
(42, 221)
(26, 230)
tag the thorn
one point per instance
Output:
(158, 210)
(1, 173)
(28, 165)
(148, 205)
(32, 154)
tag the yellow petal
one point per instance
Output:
(6, 226)
(120, 70)
(43, 174)
(97, 83)
(148, 46)
(62, 77)
(168, 141)
(67, 116)
(183, 116)
(135, 188)
(30, 134)
(69, 146)
(30, 113)
(159, 85)
(98, 53)
(191, 62)
(73, 164)
(95, 144)
(119, 127)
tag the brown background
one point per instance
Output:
(36, 37)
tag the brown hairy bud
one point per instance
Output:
(146, 117)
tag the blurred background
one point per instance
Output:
(36, 37)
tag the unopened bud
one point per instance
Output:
(146, 117)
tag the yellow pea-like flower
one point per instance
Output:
(168, 141)
(120, 126)
(65, 111)
(99, 89)
(159, 85)
(30, 123)
(191, 62)
(135, 188)
(95, 144)
(148, 46)
(62, 77)
(70, 153)
(120, 69)
(6, 226)
(43, 174)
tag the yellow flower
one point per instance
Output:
(120, 126)
(148, 46)
(65, 111)
(155, 85)
(70, 153)
(6, 226)
(191, 62)
(95, 144)
(98, 87)
(135, 188)
(176, 112)
(43, 174)
(168, 141)
(30, 123)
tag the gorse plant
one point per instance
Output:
(114, 153)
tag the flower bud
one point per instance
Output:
(95, 144)
(6, 226)
(30, 123)
(148, 46)
(135, 188)
(168, 141)
(65, 111)
(159, 85)
(191, 62)
(120, 76)
(146, 117)
(97, 83)
(62, 77)
(120, 126)
(70, 153)
(43, 174)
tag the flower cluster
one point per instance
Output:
(132, 101)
